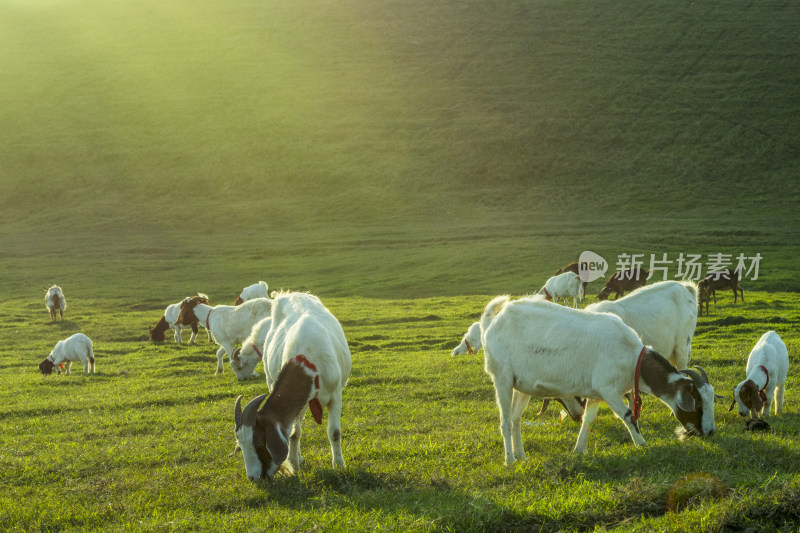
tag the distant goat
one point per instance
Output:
(623, 281)
(563, 286)
(167, 322)
(724, 279)
(245, 359)
(228, 324)
(572, 267)
(471, 342)
(78, 347)
(664, 316)
(257, 290)
(55, 301)
(534, 348)
(305, 337)
(767, 369)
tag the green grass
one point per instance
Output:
(405, 161)
(144, 444)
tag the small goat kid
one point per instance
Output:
(767, 369)
(256, 290)
(245, 359)
(78, 347)
(230, 325)
(54, 301)
(303, 331)
(565, 285)
(534, 348)
(170, 316)
(664, 316)
(471, 342)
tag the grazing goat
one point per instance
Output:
(245, 359)
(54, 300)
(167, 322)
(228, 324)
(78, 347)
(664, 316)
(534, 348)
(471, 342)
(303, 333)
(257, 290)
(563, 286)
(767, 368)
(572, 267)
(713, 281)
(623, 281)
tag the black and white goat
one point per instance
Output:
(54, 301)
(256, 290)
(170, 316)
(307, 362)
(229, 324)
(664, 315)
(767, 369)
(535, 348)
(77, 347)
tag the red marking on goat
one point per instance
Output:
(314, 404)
(761, 393)
(468, 347)
(637, 399)
(260, 355)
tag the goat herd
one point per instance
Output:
(610, 352)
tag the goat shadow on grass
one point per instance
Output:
(63, 325)
(450, 508)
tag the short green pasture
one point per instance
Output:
(144, 444)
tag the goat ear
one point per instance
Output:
(277, 446)
(733, 404)
(685, 400)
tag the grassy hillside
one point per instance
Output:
(441, 134)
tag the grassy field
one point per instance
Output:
(406, 161)
(143, 445)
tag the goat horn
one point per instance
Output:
(702, 372)
(696, 378)
(250, 410)
(237, 412)
(733, 404)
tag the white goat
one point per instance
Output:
(54, 300)
(245, 359)
(663, 314)
(563, 286)
(304, 335)
(256, 290)
(167, 322)
(767, 368)
(228, 324)
(471, 342)
(78, 347)
(535, 348)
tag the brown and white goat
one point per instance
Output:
(767, 370)
(168, 322)
(708, 286)
(535, 348)
(263, 434)
(54, 301)
(623, 281)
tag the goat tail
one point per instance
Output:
(494, 307)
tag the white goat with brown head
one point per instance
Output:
(307, 362)
(535, 348)
(77, 347)
(54, 301)
(767, 369)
